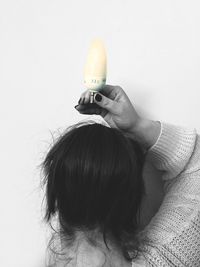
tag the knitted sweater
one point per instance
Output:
(172, 238)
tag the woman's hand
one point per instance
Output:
(114, 106)
(116, 109)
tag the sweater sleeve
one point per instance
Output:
(173, 234)
(172, 150)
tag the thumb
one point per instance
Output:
(105, 102)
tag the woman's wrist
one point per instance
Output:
(146, 132)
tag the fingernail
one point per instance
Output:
(76, 106)
(98, 97)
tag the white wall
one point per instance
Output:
(153, 53)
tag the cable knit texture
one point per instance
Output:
(172, 238)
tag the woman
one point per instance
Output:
(93, 178)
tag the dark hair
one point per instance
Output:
(93, 180)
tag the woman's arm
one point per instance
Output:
(169, 147)
(146, 132)
(174, 232)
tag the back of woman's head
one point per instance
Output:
(93, 178)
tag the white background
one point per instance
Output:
(153, 54)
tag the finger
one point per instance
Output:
(89, 109)
(106, 103)
(85, 98)
(87, 106)
(110, 90)
(96, 111)
(107, 90)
